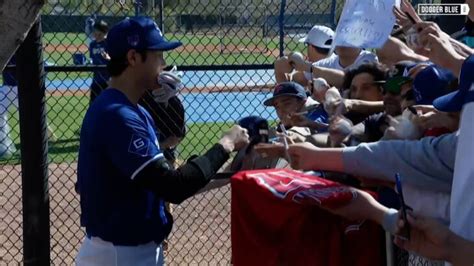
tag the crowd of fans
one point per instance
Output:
(405, 109)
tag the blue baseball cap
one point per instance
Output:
(139, 33)
(454, 101)
(431, 83)
(289, 88)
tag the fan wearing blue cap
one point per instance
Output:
(123, 176)
(454, 101)
(431, 83)
(294, 109)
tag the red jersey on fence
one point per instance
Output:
(276, 221)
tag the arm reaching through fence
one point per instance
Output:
(334, 77)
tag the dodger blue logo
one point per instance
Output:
(139, 145)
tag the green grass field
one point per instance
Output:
(227, 50)
(65, 115)
(257, 47)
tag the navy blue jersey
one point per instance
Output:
(118, 140)
(96, 49)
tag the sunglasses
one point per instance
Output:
(391, 90)
(394, 85)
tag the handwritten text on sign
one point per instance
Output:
(365, 23)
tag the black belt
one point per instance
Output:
(121, 243)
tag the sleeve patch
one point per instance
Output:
(139, 145)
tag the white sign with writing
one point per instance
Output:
(365, 23)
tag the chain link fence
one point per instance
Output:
(227, 56)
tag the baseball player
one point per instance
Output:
(89, 27)
(123, 177)
(99, 57)
(8, 97)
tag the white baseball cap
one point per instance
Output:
(319, 36)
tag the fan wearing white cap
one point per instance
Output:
(318, 42)
(344, 58)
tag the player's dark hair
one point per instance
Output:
(101, 26)
(117, 65)
(376, 70)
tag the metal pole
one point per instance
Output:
(137, 8)
(34, 149)
(333, 14)
(162, 19)
(281, 24)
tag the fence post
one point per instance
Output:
(137, 7)
(34, 148)
(281, 24)
(162, 19)
(333, 14)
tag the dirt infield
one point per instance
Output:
(201, 233)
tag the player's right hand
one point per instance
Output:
(235, 139)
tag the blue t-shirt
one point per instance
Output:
(319, 115)
(118, 140)
(96, 49)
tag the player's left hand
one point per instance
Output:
(235, 139)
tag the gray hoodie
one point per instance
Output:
(428, 162)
